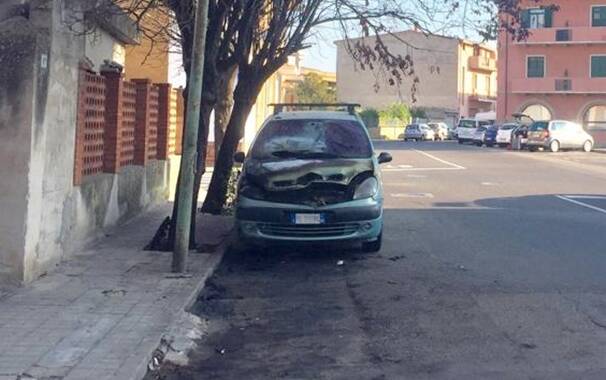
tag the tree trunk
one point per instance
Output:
(244, 96)
(224, 106)
(205, 112)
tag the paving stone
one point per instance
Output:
(100, 315)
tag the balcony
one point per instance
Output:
(565, 36)
(581, 85)
(479, 63)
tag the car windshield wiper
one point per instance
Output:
(303, 154)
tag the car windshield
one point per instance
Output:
(467, 124)
(508, 127)
(539, 126)
(307, 138)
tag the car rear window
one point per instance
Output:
(306, 137)
(467, 124)
(539, 126)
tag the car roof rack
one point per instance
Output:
(279, 107)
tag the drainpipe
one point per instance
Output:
(506, 71)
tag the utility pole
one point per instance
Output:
(190, 138)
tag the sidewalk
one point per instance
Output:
(102, 314)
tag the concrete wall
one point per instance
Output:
(18, 61)
(44, 218)
(435, 63)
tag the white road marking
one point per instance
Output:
(489, 184)
(412, 195)
(421, 169)
(464, 208)
(582, 204)
(416, 176)
(451, 164)
(409, 168)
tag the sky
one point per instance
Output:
(322, 53)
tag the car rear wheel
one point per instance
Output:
(588, 146)
(554, 146)
(373, 246)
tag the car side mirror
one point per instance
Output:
(239, 157)
(384, 158)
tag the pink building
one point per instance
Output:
(559, 72)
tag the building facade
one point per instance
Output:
(457, 78)
(559, 71)
(84, 148)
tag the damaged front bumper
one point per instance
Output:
(354, 221)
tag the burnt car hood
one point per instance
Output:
(296, 174)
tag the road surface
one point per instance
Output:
(493, 267)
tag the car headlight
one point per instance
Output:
(367, 189)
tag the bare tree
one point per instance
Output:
(255, 37)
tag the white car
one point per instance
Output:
(419, 132)
(440, 129)
(505, 133)
(467, 128)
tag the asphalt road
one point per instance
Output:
(493, 267)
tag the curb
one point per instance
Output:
(176, 341)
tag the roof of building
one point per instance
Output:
(431, 35)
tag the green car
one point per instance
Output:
(311, 177)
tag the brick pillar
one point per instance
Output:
(113, 121)
(80, 121)
(142, 121)
(164, 92)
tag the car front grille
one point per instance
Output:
(309, 231)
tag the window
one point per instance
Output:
(595, 118)
(537, 112)
(598, 66)
(311, 138)
(535, 67)
(536, 18)
(598, 15)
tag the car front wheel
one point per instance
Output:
(588, 146)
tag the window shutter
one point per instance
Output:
(548, 17)
(525, 18)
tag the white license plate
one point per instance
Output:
(308, 219)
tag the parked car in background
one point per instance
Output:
(505, 133)
(490, 136)
(558, 134)
(467, 127)
(440, 129)
(419, 132)
(478, 136)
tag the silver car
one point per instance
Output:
(419, 132)
(558, 134)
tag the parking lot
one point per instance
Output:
(492, 267)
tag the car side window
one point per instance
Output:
(558, 126)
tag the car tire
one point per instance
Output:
(587, 146)
(502, 145)
(373, 246)
(554, 147)
(490, 145)
(460, 141)
(533, 149)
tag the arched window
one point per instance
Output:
(538, 112)
(595, 117)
